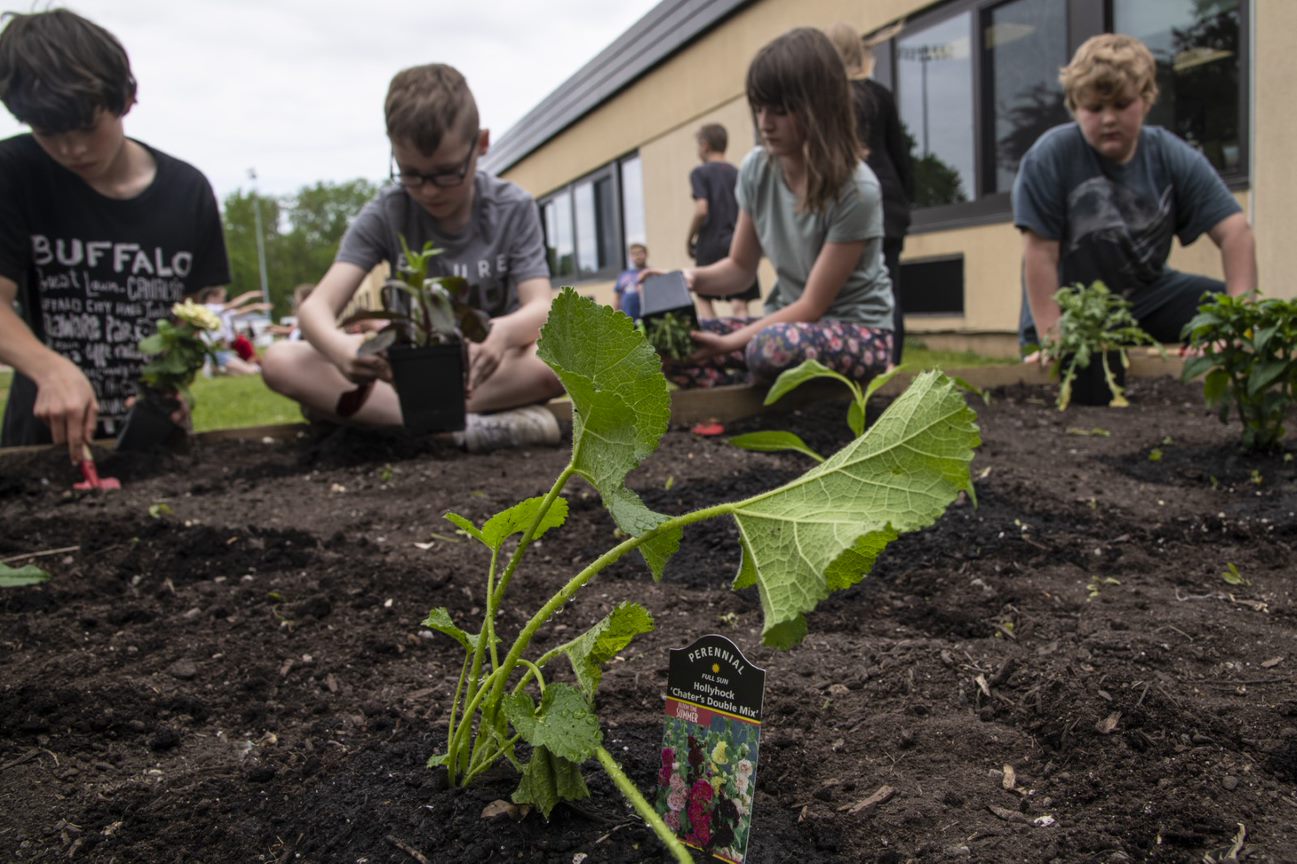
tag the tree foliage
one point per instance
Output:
(301, 233)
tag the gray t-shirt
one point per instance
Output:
(501, 246)
(1114, 222)
(792, 240)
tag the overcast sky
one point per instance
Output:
(294, 88)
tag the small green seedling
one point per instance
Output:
(774, 440)
(1094, 323)
(1155, 455)
(1232, 575)
(801, 542)
(1249, 360)
(160, 510)
(1256, 477)
(1093, 588)
(19, 577)
(385, 474)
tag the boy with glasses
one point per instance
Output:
(99, 234)
(489, 233)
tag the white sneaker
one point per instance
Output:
(520, 427)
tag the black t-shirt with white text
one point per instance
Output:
(95, 274)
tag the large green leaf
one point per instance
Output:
(590, 651)
(790, 379)
(19, 577)
(620, 407)
(823, 531)
(549, 779)
(515, 520)
(565, 723)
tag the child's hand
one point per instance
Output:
(66, 403)
(483, 360)
(713, 345)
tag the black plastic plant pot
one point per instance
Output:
(668, 296)
(430, 383)
(148, 425)
(1090, 386)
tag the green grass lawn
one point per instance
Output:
(235, 403)
(223, 403)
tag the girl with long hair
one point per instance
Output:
(809, 204)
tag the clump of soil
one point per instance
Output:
(1059, 673)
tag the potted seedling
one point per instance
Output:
(176, 352)
(1089, 352)
(429, 320)
(668, 315)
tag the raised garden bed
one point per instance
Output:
(244, 678)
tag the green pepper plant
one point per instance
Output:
(1094, 323)
(1248, 357)
(800, 542)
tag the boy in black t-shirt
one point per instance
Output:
(99, 234)
(715, 212)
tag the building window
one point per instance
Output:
(933, 74)
(976, 84)
(558, 236)
(1024, 45)
(1196, 44)
(632, 201)
(589, 223)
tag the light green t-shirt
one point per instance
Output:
(793, 240)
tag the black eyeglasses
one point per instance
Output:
(442, 179)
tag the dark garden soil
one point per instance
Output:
(1059, 674)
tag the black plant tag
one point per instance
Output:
(708, 771)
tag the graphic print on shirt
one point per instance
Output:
(98, 299)
(1114, 236)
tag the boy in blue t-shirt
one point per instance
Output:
(1101, 199)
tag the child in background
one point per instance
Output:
(79, 203)
(1101, 198)
(626, 291)
(809, 204)
(229, 360)
(878, 125)
(711, 231)
(488, 231)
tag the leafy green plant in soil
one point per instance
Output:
(1094, 323)
(800, 542)
(177, 350)
(774, 440)
(1249, 361)
(669, 334)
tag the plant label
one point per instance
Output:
(708, 774)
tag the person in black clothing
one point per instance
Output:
(715, 212)
(879, 128)
(100, 235)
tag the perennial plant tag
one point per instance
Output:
(710, 743)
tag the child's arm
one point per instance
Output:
(317, 317)
(518, 329)
(1040, 273)
(696, 225)
(1233, 236)
(735, 272)
(241, 299)
(65, 400)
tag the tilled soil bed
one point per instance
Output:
(1060, 673)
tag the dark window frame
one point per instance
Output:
(610, 171)
(1085, 18)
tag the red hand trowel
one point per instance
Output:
(91, 474)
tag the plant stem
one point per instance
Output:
(450, 728)
(516, 558)
(647, 813)
(579, 580)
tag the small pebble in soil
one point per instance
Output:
(1229, 781)
(183, 669)
(164, 739)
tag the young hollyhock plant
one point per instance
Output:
(800, 542)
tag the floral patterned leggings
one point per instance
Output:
(853, 350)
